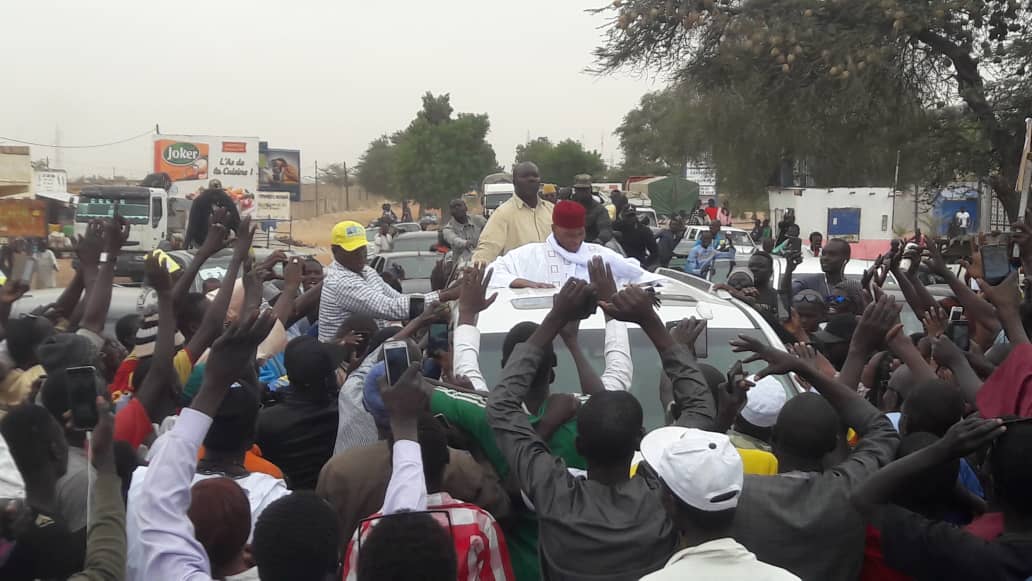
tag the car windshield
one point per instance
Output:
(135, 212)
(647, 366)
(414, 266)
(495, 200)
(412, 243)
(739, 239)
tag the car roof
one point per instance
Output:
(422, 233)
(812, 265)
(679, 301)
(409, 254)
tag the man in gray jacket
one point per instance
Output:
(802, 519)
(609, 526)
(462, 232)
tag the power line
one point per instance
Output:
(145, 133)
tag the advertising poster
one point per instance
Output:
(192, 161)
(51, 180)
(272, 206)
(280, 170)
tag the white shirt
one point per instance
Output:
(619, 369)
(719, 560)
(383, 242)
(963, 218)
(539, 262)
(156, 520)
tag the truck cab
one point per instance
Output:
(495, 195)
(154, 217)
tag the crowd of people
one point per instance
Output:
(302, 422)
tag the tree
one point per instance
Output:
(439, 155)
(843, 83)
(375, 170)
(560, 162)
(40, 164)
(664, 132)
(335, 174)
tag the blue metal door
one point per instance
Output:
(844, 223)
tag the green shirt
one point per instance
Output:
(469, 412)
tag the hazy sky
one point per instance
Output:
(325, 76)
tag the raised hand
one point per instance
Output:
(217, 233)
(436, 313)
(778, 362)
(935, 322)
(734, 393)
(235, 349)
(293, 272)
(601, 275)
(687, 332)
(632, 304)
(878, 319)
(808, 354)
(473, 298)
(245, 236)
(1004, 296)
(156, 273)
(934, 260)
(974, 266)
(114, 234)
(405, 401)
(90, 246)
(970, 435)
(575, 301)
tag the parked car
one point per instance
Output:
(414, 241)
(742, 241)
(124, 301)
(728, 318)
(416, 266)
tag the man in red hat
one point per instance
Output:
(563, 255)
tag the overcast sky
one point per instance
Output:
(321, 75)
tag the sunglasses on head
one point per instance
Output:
(836, 299)
(807, 299)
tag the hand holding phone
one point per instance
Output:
(82, 396)
(438, 340)
(396, 360)
(995, 263)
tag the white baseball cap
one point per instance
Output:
(764, 403)
(701, 468)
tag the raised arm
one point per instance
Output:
(542, 476)
(693, 404)
(215, 317)
(473, 300)
(156, 393)
(1007, 299)
(307, 303)
(115, 234)
(950, 356)
(963, 438)
(286, 302)
(213, 242)
(405, 401)
(619, 367)
(975, 307)
(875, 323)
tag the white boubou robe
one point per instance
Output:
(549, 263)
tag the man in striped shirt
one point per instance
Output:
(351, 287)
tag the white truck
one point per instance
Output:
(156, 219)
(495, 190)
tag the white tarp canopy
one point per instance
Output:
(63, 197)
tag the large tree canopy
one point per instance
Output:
(842, 84)
(376, 168)
(560, 162)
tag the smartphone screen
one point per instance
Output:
(28, 269)
(995, 263)
(957, 331)
(82, 396)
(795, 244)
(438, 340)
(416, 306)
(956, 314)
(396, 359)
(702, 343)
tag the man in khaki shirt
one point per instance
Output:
(523, 219)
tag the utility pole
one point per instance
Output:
(347, 188)
(316, 187)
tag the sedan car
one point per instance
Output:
(124, 301)
(415, 267)
(728, 318)
(414, 241)
(742, 241)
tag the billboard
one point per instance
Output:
(192, 161)
(51, 180)
(279, 170)
(271, 206)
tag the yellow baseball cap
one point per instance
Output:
(349, 235)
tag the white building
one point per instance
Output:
(855, 214)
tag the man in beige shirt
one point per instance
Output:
(523, 219)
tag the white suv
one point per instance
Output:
(728, 318)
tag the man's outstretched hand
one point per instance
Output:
(575, 301)
(473, 298)
(405, 401)
(601, 275)
(231, 353)
(632, 305)
(687, 332)
(778, 362)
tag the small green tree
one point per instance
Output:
(376, 169)
(560, 162)
(335, 174)
(438, 155)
